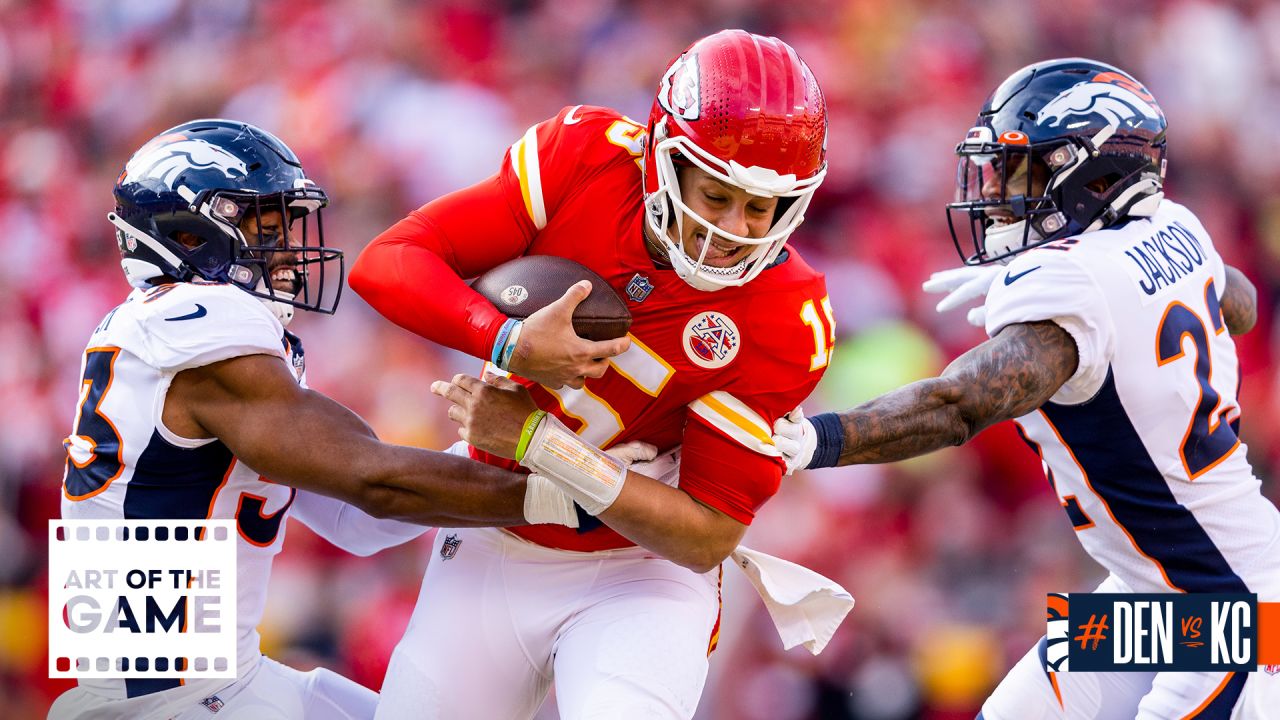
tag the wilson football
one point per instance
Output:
(527, 284)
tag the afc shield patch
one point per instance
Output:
(450, 547)
(711, 340)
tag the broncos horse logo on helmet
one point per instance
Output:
(186, 198)
(1061, 147)
(165, 158)
(1115, 103)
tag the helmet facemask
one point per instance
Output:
(226, 254)
(1022, 215)
(292, 255)
(666, 212)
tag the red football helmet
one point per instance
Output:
(746, 109)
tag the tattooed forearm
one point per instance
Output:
(1239, 302)
(1007, 376)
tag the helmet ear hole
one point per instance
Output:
(187, 240)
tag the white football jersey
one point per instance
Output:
(122, 462)
(1140, 444)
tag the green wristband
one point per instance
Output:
(526, 434)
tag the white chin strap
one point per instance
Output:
(1001, 239)
(282, 310)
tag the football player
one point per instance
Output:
(687, 216)
(194, 405)
(1110, 315)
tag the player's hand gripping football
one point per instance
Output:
(550, 353)
(964, 284)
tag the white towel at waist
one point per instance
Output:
(805, 606)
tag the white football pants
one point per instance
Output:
(624, 633)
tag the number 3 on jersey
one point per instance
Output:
(93, 447)
(1208, 439)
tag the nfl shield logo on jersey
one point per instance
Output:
(213, 703)
(639, 288)
(711, 340)
(1271, 669)
(450, 547)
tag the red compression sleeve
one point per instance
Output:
(413, 272)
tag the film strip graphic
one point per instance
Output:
(142, 599)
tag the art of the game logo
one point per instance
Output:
(142, 599)
(711, 340)
(1197, 632)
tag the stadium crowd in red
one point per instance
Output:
(390, 103)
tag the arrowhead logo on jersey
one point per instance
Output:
(678, 94)
(164, 161)
(450, 547)
(1117, 103)
(711, 340)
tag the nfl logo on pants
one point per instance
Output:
(450, 547)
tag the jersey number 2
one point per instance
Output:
(1208, 439)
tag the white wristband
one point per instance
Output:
(546, 503)
(591, 477)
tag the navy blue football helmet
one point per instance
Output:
(1061, 147)
(225, 201)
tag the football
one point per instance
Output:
(527, 284)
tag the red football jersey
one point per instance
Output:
(711, 370)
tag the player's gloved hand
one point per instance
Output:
(963, 285)
(796, 439)
(550, 353)
(634, 452)
(490, 414)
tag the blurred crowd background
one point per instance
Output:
(390, 103)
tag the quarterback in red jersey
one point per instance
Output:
(688, 219)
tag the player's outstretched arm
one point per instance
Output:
(499, 417)
(1005, 377)
(1239, 302)
(301, 438)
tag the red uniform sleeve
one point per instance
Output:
(723, 474)
(413, 272)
